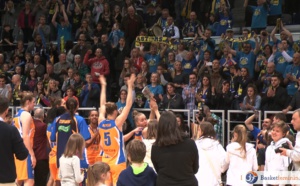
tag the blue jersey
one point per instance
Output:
(259, 18)
(62, 129)
(292, 87)
(280, 62)
(275, 7)
(153, 61)
(247, 61)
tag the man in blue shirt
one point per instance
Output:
(64, 29)
(292, 74)
(246, 58)
(259, 17)
(153, 58)
(275, 11)
(190, 62)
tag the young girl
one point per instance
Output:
(69, 171)
(252, 100)
(97, 174)
(240, 157)
(274, 161)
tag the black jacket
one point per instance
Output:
(11, 144)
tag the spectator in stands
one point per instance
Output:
(53, 90)
(153, 58)
(42, 28)
(117, 17)
(90, 93)
(85, 30)
(181, 52)
(70, 93)
(17, 89)
(206, 43)
(172, 100)
(80, 67)
(145, 72)
(276, 96)
(189, 92)
(27, 27)
(99, 31)
(62, 65)
(164, 75)
(39, 68)
(50, 75)
(190, 62)
(225, 19)
(171, 31)
(39, 10)
(36, 47)
(68, 80)
(293, 104)
(131, 25)
(291, 75)
(5, 89)
(8, 17)
(211, 153)
(162, 21)
(78, 84)
(81, 47)
(225, 97)
(179, 78)
(259, 136)
(64, 28)
(190, 28)
(106, 17)
(115, 35)
(275, 11)
(128, 68)
(7, 39)
(119, 53)
(252, 100)
(75, 14)
(31, 79)
(41, 169)
(99, 65)
(40, 95)
(183, 171)
(240, 87)
(284, 34)
(170, 61)
(241, 156)
(259, 17)
(206, 94)
(97, 9)
(19, 50)
(151, 17)
(262, 61)
(246, 57)
(294, 153)
(106, 50)
(137, 59)
(155, 88)
(246, 35)
(140, 99)
(121, 104)
(265, 78)
(281, 56)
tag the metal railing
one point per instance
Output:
(229, 122)
(222, 112)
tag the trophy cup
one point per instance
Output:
(278, 24)
(147, 93)
(229, 24)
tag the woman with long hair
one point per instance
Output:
(53, 90)
(182, 125)
(145, 71)
(67, 124)
(128, 68)
(97, 174)
(106, 17)
(169, 141)
(117, 17)
(211, 155)
(180, 79)
(252, 100)
(240, 157)
(240, 86)
(140, 99)
(206, 94)
(155, 88)
(25, 125)
(136, 58)
(40, 95)
(31, 79)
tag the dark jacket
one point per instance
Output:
(180, 169)
(145, 178)
(11, 144)
(278, 102)
(174, 102)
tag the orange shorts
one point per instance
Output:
(115, 171)
(53, 166)
(24, 169)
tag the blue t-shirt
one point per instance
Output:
(205, 46)
(259, 18)
(223, 25)
(280, 62)
(153, 61)
(158, 89)
(247, 61)
(188, 66)
(64, 31)
(275, 7)
(292, 87)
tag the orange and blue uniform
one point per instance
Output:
(112, 144)
(52, 155)
(138, 135)
(24, 168)
(94, 149)
(62, 129)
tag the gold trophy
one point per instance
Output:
(278, 24)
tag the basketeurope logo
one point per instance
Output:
(251, 177)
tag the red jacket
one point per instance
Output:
(99, 65)
(21, 19)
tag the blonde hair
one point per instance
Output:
(95, 171)
(242, 138)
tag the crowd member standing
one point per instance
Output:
(11, 145)
(110, 128)
(24, 123)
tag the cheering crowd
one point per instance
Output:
(108, 68)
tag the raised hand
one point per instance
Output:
(102, 80)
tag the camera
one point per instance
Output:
(284, 145)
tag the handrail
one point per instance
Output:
(223, 121)
(241, 112)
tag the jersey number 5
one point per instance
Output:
(107, 141)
